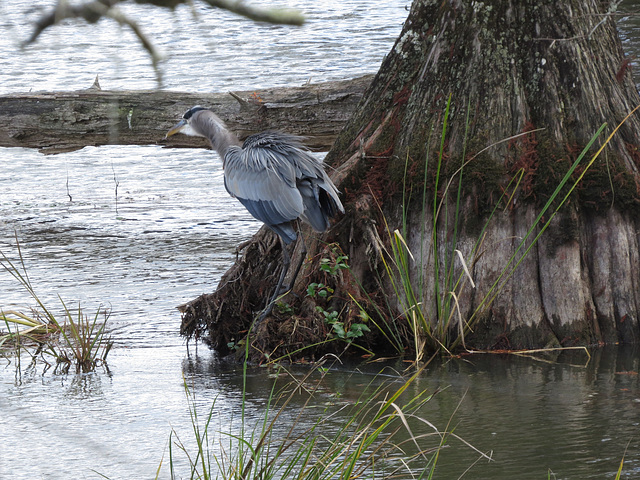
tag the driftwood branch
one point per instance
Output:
(62, 121)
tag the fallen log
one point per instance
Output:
(55, 122)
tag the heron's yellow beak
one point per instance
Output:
(177, 128)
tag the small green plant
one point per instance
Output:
(284, 308)
(332, 267)
(320, 290)
(356, 330)
(331, 318)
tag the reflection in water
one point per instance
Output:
(565, 413)
(572, 417)
(562, 414)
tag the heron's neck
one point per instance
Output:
(222, 140)
(216, 131)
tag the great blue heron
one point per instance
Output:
(273, 176)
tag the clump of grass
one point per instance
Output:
(376, 439)
(73, 339)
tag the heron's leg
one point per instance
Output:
(286, 262)
(303, 254)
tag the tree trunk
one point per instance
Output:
(55, 122)
(530, 84)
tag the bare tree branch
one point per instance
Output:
(281, 16)
(93, 11)
(118, 16)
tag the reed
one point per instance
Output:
(70, 339)
(376, 439)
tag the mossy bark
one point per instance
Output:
(513, 67)
(552, 72)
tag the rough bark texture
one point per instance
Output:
(517, 66)
(63, 121)
(510, 68)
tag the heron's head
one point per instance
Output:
(189, 125)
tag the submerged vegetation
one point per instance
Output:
(71, 339)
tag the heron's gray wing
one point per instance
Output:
(264, 182)
(319, 195)
(278, 180)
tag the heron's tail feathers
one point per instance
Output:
(321, 203)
